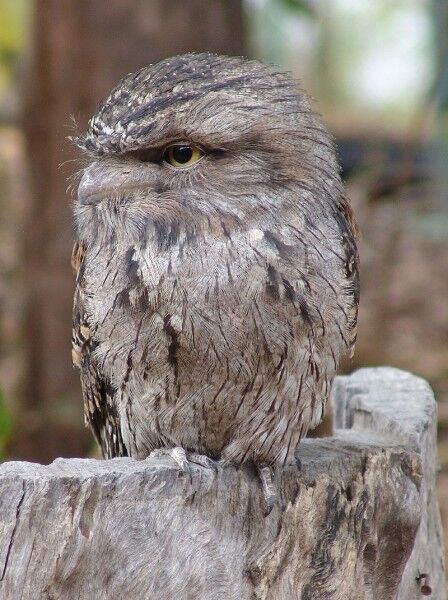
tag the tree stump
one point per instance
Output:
(356, 519)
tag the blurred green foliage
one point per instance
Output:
(364, 62)
(299, 6)
(5, 426)
(13, 23)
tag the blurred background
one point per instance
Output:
(378, 72)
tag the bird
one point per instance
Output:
(216, 265)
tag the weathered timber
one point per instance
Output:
(357, 519)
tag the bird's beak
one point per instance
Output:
(90, 189)
(104, 179)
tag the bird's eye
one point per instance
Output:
(182, 155)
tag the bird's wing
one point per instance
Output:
(349, 236)
(99, 407)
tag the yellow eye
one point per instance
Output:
(182, 155)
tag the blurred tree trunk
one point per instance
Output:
(440, 24)
(80, 49)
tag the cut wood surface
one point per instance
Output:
(357, 519)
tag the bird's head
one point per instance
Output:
(203, 141)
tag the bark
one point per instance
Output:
(357, 519)
(80, 50)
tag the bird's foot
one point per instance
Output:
(184, 460)
(203, 461)
(267, 483)
(180, 456)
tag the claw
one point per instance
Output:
(184, 461)
(269, 492)
(204, 461)
(180, 457)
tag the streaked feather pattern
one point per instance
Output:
(213, 303)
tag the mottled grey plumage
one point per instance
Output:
(212, 303)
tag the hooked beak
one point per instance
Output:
(100, 181)
(90, 189)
